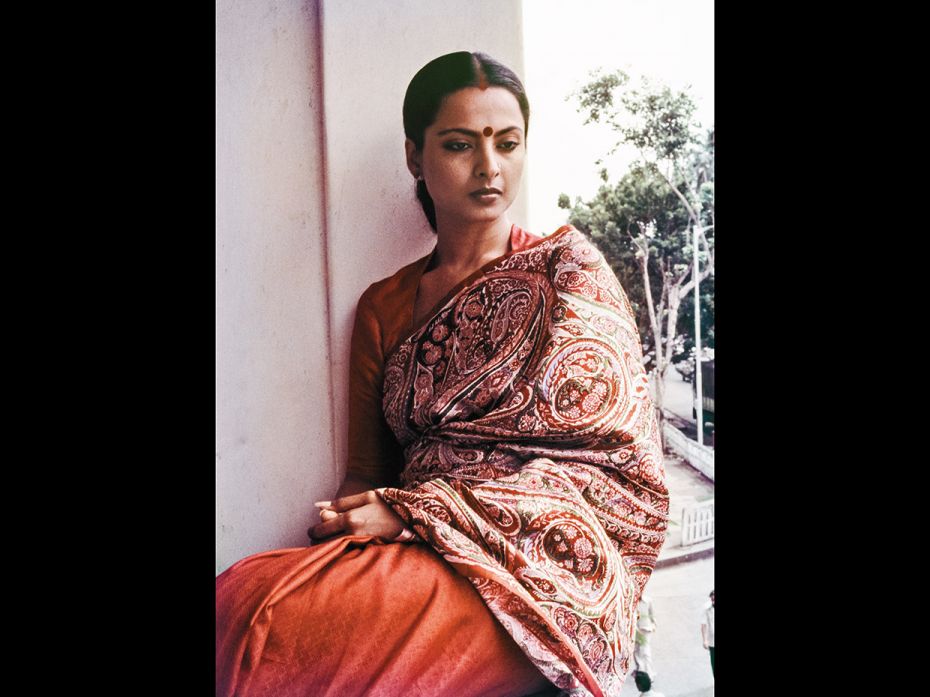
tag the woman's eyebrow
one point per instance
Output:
(475, 134)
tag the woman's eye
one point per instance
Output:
(456, 147)
(510, 145)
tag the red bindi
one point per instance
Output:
(488, 131)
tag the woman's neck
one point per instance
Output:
(464, 247)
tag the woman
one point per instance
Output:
(504, 502)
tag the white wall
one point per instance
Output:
(302, 229)
(274, 437)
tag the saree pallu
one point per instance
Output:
(533, 459)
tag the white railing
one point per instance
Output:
(697, 523)
(700, 457)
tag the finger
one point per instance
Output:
(327, 514)
(328, 528)
(323, 504)
(347, 503)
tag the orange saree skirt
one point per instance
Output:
(353, 616)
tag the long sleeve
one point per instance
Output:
(373, 453)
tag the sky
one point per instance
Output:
(669, 41)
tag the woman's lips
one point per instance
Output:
(486, 195)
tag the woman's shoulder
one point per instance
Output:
(521, 239)
(568, 245)
(570, 236)
(389, 296)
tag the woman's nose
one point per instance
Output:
(487, 165)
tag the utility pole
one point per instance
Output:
(699, 386)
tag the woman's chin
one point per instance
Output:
(473, 216)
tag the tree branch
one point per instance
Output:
(643, 245)
(689, 286)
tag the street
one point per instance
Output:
(678, 403)
(682, 665)
(677, 395)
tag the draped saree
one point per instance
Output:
(530, 467)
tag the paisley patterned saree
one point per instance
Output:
(533, 460)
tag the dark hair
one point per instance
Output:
(437, 80)
(642, 680)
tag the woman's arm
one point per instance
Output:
(354, 485)
(374, 455)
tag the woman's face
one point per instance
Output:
(476, 142)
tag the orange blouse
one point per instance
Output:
(384, 318)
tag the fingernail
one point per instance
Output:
(323, 504)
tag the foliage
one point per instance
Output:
(644, 224)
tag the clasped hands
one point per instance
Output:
(359, 514)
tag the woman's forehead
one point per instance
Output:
(476, 109)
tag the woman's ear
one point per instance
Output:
(413, 158)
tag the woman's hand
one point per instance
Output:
(359, 514)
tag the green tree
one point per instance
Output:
(644, 225)
(659, 123)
